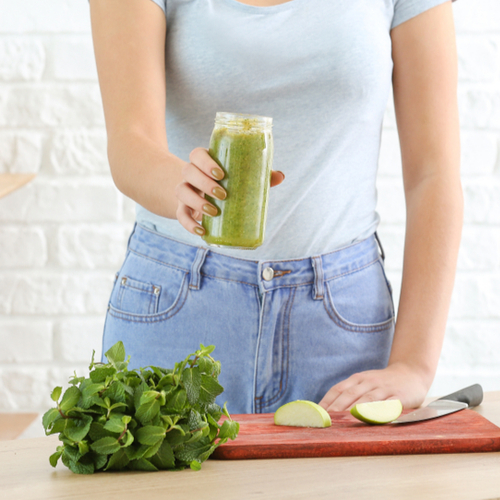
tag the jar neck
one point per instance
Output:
(243, 122)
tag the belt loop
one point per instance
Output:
(194, 282)
(382, 253)
(318, 278)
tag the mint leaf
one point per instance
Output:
(54, 458)
(194, 420)
(100, 374)
(74, 380)
(127, 440)
(81, 468)
(176, 436)
(195, 465)
(115, 425)
(99, 460)
(116, 392)
(150, 434)
(136, 451)
(153, 449)
(116, 353)
(164, 458)
(106, 445)
(97, 431)
(70, 398)
(205, 351)
(83, 447)
(80, 428)
(56, 394)
(142, 464)
(118, 460)
(165, 381)
(147, 411)
(210, 389)
(49, 417)
(90, 389)
(72, 453)
(139, 391)
(191, 451)
(191, 377)
(229, 430)
(177, 401)
(206, 365)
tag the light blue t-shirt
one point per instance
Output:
(322, 70)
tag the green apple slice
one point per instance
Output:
(302, 414)
(378, 412)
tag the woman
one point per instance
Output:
(319, 323)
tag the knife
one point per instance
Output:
(464, 398)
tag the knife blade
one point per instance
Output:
(464, 398)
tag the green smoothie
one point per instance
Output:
(242, 146)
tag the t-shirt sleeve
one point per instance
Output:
(161, 3)
(406, 9)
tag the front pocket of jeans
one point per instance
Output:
(148, 291)
(137, 297)
(361, 300)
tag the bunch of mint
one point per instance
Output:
(146, 419)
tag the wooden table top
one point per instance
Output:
(25, 473)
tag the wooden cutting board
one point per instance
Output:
(463, 431)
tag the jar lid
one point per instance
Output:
(243, 121)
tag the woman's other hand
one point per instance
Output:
(200, 176)
(397, 381)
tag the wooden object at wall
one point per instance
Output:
(11, 182)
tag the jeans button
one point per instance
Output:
(268, 273)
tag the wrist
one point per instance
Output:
(147, 173)
(422, 373)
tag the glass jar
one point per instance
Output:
(242, 145)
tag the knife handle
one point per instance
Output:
(472, 395)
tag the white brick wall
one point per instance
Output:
(471, 350)
(63, 236)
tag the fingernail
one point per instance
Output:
(219, 193)
(218, 173)
(199, 231)
(282, 174)
(210, 210)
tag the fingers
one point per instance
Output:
(199, 180)
(277, 178)
(186, 216)
(189, 196)
(205, 163)
(359, 388)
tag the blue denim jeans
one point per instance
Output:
(283, 330)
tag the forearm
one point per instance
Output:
(433, 231)
(144, 170)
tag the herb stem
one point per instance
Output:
(120, 437)
(60, 411)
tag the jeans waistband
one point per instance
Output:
(265, 274)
